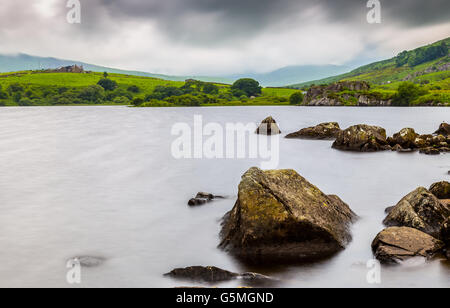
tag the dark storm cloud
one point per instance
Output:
(184, 19)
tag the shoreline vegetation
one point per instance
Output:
(420, 77)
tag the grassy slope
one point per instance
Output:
(379, 73)
(146, 84)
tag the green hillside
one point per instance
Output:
(44, 88)
(424, 65)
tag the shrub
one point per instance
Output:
(296, 98)
(407, 92)
(94, 94)
(133, 89)
(107, 84)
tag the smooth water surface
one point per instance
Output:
(101, 181)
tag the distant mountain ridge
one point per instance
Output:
(278, 78)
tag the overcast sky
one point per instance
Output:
(219, 36)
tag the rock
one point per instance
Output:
(280, 217)
(200, 273)
(441, 190)
(397, 244)
(203, 198)
(430, 151)
(321, 131)
(214, 274)
(362, 138)
(87, 261)
(405, 138)
(421, 210)
(268, 127)
(444, 129)
(445, 233)
(389, 209)
(420, 142)
(398, 148)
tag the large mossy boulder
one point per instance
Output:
(321, 131)
(280, 217)
(397, 244)
(362, 138)
(441, 190)
(268, 127)
(421, 210)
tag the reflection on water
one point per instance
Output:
(100, 181)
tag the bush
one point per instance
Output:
(249, 86)
(24, 102)
(94, 94)
(121, 100)
(137, 101)
(184, 100)
(210, 88)
(133, 89)
(107, 84)
(296, 98)
(408, 92)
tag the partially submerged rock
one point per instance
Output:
(203, 198)
(397, 244)
(441, 190)
(280, 216)
(444, 129)
(362, 138)
(421, 210)
(268, 127)
(321, 131)
(405, 138)
(214, 274)
(87, 261)
(201, 273)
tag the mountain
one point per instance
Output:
(432, 61)
(293, 74)
(277, 78)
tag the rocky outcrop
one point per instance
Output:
(268, 127)
(441, 190)
(420, 210)
(213, 274)
(397, 244)
(203, 198)
(362, 138)
(321, 131)
(280, 217)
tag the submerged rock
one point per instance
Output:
(214, 274)
(280, 217)
(421, 210)
(441, 190)
(396, 244)
(362, 138)
(268, 127)
(88, 261)
(321, 131)
(430, 151)
(203, 198)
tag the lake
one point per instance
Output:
(101, 181)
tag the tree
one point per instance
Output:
(407, 92)
(105, 74)
(296, 98)
(107, 84)
(250, 86)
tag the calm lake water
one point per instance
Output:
(101, 181)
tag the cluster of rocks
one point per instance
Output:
(367, 138)
(418, 226)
